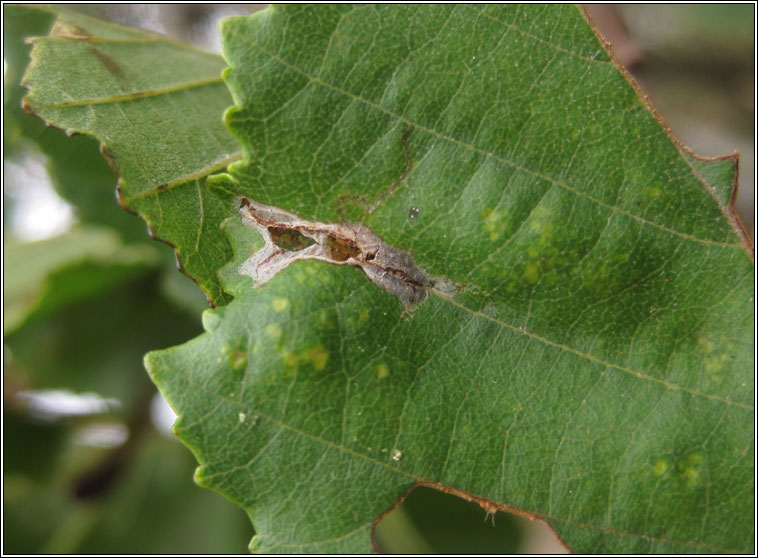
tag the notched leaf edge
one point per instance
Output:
(289, 238)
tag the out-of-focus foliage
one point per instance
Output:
(80, 311)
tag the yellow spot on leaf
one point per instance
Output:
(316, 357)
(689, 468)
(532, 272)
(381, 371)
(660, 467)
(494, 223)
(237, 358)
(274, 330)
(281, 304)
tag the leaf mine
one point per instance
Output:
(289, 238)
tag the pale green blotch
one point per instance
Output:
(541, 224)
(539, 249)
(315, 356)
(362, 315)
(532, 272)
(323, 319)
(381, 371)
(237, 358)
(716, 362)
(660, 467)
(281, 304)
(689, 468)
(356, 319)
(273, 331)
(495, 223)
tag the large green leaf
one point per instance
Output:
(594, 366)
(156, 107)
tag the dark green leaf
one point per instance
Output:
(594, 367)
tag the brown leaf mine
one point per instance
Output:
(289, 238)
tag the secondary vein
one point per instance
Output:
(499, 158)
(598, 360)
(135, 95)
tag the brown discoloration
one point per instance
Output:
(69, 30)
(409, 165)
(342, 249)
(122, 203)
(289, 239)
(109, 158)
(361, 202)
(337, 243)
(25, 106)
(488, 506)
(109, 63)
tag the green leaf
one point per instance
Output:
(75, 165)
(594, 366)
(95, 319)
(156, 107)
(27, 265)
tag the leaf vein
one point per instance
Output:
(487, 153)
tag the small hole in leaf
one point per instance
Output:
(341, 250)
(430, 521)
(289, 239)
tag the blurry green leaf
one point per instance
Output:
(93, 323)
(158, 500)
(154, 509)
(155, 106)
(76, 167)
(30, 448)
(27, 265)
(595, 366)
